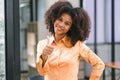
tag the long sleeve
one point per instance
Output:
(97, 64)
(41, 70)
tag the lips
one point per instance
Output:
(59, 29)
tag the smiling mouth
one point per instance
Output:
(59, 29)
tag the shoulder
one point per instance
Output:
(81, 44)
(42, 42)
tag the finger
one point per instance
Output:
(50, 47)
(47, 53)
(49, 50)
(49, 42)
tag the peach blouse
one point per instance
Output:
(63, 63)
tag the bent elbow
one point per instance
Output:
(102, 65)
(99, 66)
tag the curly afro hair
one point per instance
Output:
(55, 11)
(80, 28)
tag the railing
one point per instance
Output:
(113, 65)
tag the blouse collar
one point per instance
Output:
(66, 41)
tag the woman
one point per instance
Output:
(58, 56)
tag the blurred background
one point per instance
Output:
(28, 28)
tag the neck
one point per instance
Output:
(58, 37)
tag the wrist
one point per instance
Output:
(43, 57)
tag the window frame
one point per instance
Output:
(12, 40)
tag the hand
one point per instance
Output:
(47, 51)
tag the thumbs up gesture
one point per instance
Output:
(47, 51)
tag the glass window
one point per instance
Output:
(2, 41)
(117, 20)
(100, 21)
(108, 20)
(24, 19)
(89, 7)
(103, 17)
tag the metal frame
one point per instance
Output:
(33, 10)
(81, 3)
(112, 39)
(12, 40)
(95, 26)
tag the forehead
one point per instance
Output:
(66, 17)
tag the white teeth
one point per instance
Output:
(59, 28)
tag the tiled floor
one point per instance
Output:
(32, 71)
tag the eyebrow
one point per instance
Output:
(67, 20)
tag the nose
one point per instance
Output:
(61, 24)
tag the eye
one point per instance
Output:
(68, 23)
(60, 19)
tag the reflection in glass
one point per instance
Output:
(2, 41)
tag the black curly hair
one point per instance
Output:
(55, 11)
(80, 28)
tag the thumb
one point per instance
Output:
(48, 40)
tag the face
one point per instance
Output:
(63, 24)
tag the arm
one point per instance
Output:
(97, 64)
(42, 66)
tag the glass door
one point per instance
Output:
(2, 41)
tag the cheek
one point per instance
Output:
(69, 28)
(55, 23)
